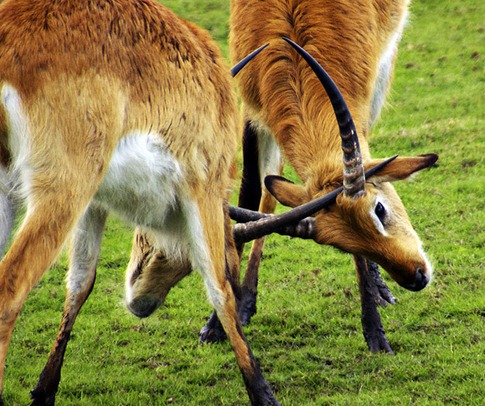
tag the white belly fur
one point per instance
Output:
(142, 183)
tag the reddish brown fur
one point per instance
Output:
(284, 91)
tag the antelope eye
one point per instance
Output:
(380, 212)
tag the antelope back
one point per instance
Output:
(124, 67)
(280, 91)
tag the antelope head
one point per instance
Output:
(364, 216)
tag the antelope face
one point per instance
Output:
(403, 256)
(373, 224)
(376, 226)
(150, 275)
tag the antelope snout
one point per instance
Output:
(143, 306)
(421, 280)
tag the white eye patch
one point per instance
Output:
(380, 214)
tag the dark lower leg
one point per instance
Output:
(258, 389)
(46, 389)
(249, 289)
(250, 282)
(373, 292)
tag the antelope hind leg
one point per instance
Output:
(56, 192)
(7, 209)
(249, 198)
(260, 155)
(84, 254)
(213, 331)
(34, 249)
(212, 254)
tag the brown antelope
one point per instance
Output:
(114, 106)
(288, 116)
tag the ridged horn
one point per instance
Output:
(354, 177)
(242, 63)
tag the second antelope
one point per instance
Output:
(289, 117)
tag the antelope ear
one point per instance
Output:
(401, 167)
(285, 191)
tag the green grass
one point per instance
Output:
(307, 334)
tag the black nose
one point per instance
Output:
(420, 281)
(143, 306)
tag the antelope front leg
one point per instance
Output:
(381, 292)
(261, 157)
(250, 198)
(80, 281)
(373, 292)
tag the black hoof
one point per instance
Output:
(378, 343)
(39, 398)
(212, 332)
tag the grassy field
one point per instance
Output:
(307, 334)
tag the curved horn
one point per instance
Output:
(354, 178)
(293, 223)
(268, 224)
(242, 63)
(304, 229)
